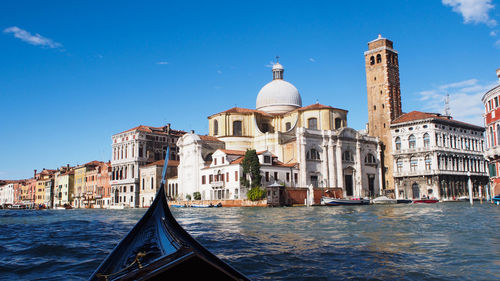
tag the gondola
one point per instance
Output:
(158, 248)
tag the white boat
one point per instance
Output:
(328, 201)
(384, 200)
(116, 207)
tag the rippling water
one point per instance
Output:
(445, 241)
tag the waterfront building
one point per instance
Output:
(103, 196)
(384, 100)
(492, 122)
(7, 193)
(313, 139)
(133, 149)
(84, 192)
(435, 156)
(150, 180)
(18, 191)
(64, 187)
(44, 188)
(28, 189)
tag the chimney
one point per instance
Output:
(498, 73)
(34, 174)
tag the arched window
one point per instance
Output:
(312, 123)
(347, 156)
(370, 159)
(412, 141)
(498, 135)
(216, 127)
(413, 164)
(427, 140)
(313, 154)
(398, 143)
(379, 58)
(399, 165)
(237, 128)
(338, 123)
(288, 126)
(372, 60)
(428, 163)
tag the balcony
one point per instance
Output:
(433, 172)
(492, 152)
(217, 184)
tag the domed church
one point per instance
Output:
(303, 146)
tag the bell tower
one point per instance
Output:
(384, 99)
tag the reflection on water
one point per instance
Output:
(447, 241)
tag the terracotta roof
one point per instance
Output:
(281, 164)
(318, 106)
(419, 115)
(233, 152)
(240, 110)
(209, 138)
(150, 129)
(238, 160)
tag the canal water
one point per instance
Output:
(445, 241)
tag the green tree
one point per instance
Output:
(197, 196)
(256, 193)
(251, 169)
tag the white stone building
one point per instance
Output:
(7, 194)
(133, 149)
(314, 139)
(434, 156)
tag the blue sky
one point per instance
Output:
(72, 73)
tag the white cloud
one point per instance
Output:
(312, 60)
(36, 39)
(473, 11)
(270, 64)
(493, 33)
(219, 72)
(162, 62)
(465, 100)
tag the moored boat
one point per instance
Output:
(329, 201)
(158, 248)
(404, 201)
(384, 200)
(427, 201)
(496, 200)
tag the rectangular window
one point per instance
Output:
(215, 161)
(235, 175)
(203, 179)
(222, 160)
(211, 178)
(275, 176)
(296, 177)
(267, 176)
(222, 178)
(287, 177)
(312, 123)
(227, 177)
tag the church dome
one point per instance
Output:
(278, 96)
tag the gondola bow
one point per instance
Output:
(158, 248)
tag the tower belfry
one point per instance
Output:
(384, 98)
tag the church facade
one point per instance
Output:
(303, 146)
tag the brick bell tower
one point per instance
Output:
(384, 99)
